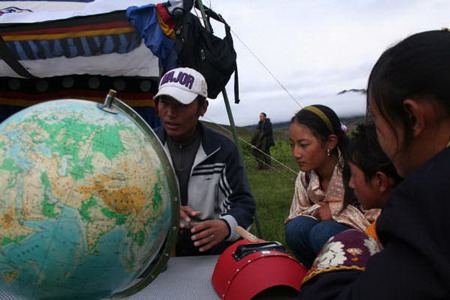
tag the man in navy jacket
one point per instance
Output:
(214, 192)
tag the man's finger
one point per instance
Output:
(184, 216)
(210, 244)
(186, 212)
(203, 234)
(199, 227)
(203, 238)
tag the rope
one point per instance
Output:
(267, 69)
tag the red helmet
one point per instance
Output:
(245, 269)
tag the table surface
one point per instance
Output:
(187, 278)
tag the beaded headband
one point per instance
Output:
(321, 115)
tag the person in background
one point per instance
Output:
(373, 174)
(215, 195)
(322, 205)
(262, 141)
(408, 99)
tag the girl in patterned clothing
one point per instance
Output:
(322, 205)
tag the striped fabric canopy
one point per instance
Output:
(81, 49)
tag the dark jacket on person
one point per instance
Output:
(414, 231)
(218, 186)
(263, 137)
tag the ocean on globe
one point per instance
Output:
(86, 200)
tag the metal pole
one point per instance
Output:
(230, 116)
(231, 119)
(202, 10)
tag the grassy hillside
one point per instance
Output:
(273, 190)
(243, 132)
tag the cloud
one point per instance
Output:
(295, 53)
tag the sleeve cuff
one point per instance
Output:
(232, 223)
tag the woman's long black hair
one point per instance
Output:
(418, 66)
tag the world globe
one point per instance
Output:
(87, 197)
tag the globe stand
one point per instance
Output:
(108, 105)
(114, 105)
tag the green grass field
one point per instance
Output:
(272, 189)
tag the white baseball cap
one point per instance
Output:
(182, 84)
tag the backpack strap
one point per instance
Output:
(236, 77)
(236, 86)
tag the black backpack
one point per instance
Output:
(210, 55)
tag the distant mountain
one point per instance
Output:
(347, 121)
(274, 125)
(361, 91)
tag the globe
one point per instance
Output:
(87, 196)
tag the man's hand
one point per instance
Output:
(323, 213)
(206, 234)
(186, 213)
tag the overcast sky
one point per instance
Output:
(315, 49)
